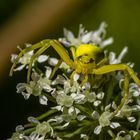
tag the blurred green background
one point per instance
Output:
(31, 21)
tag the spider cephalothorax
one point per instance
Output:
(87, 57)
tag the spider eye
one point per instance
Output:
(85, 59)
(91, 60)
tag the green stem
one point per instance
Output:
(28, 131)
(48, 113)
(50, 98)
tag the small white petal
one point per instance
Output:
(100, 95)
(19, 128)
(120, 133)
(19, 68)
(98, 129)
(87, 37)
(68, 34)
(48, 72)
(130, 64)
(136, 108)
(76, 77)
(59, 80)
(122, 54)
(84, 136)
(78, 98)
(114, 106)
(134, 133)
(81, 117)
(65, 125)
(135, 93)
(71, 110)
(32, 120)
(106, 42)
(53, 61)
(95, 115)
(30, 53)
(13, 57)
(112, 58)
(43, 100)
(28, 45)
(114, 125)
(97, 102)
(107, 107)
(42, 58)
(131, 119)
(26, 95)
(86, 86)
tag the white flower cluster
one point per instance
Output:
(79, 111)
(96, 37)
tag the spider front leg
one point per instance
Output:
(24, 51)
(127, 72)
(58, 48)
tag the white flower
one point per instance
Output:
(36, 86)
(104, 119)
(119, 137)
(90, 97)
(42, 58)
(100, 95)
(114, 125)
(33, 120)
(78, 98)
(34, 136)
(64, 100)
(84, 137)
(134, 90)
(52, 61)
(114, 60)
(95, 115)
(97, 103)
(43, 100)
(125, 111)
(24, 60)
(131, 119)
(84, 37)
(98, 129)
(19, 128)
(43, 128)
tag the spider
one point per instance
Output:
(87, 59)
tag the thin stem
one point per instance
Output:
(48, 113)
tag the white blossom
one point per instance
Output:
(85, 37)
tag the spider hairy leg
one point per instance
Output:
(127, 72)
(117, 67)
(56, 68)
(62, 52)
(57, 47)
(33, 47)
(126, 91)
(39, 52)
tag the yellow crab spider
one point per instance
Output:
(87, 59)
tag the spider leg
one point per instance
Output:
(126, 91)
(102, 62)
(40, 51)
(33, 47)
(62, 52)
(58, 48)
(117, 67)
(56, 68)
(127, 72)
(73, 52)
